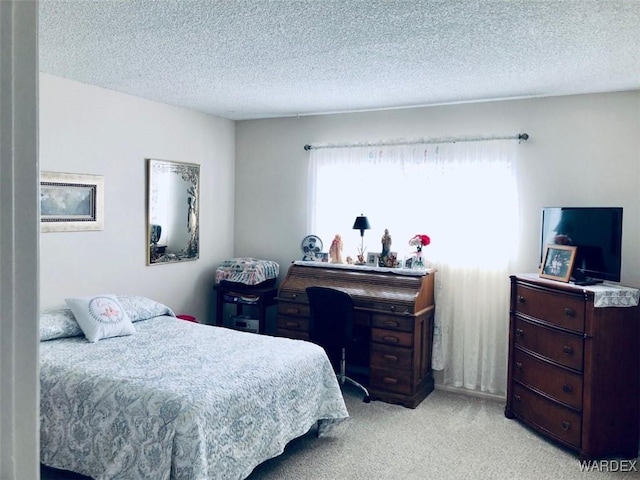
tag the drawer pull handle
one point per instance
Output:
(517, 398)
(566, 425)
(566, 388)
(391, 339)
(391, 358)
(391, 323)
(568, 312)
(519, 365)
(295, 295)
(392, 308)
(292, 310)
(567, 349)
(521, 299)
(390, 380)
(293, 324)
(519, 332)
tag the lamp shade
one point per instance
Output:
(362, 224)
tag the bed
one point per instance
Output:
(176, 399)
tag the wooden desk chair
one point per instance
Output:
(331, 324)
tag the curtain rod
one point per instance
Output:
(520, 137)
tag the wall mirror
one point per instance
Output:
(173, 194)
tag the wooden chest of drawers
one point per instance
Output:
(574, 369)
(395, 310)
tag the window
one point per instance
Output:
(463, 195)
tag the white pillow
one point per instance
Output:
(101, 317)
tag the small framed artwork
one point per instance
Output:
(390, 261)
(557, 262)
(323, 256)
(372, 259)
(71, 202)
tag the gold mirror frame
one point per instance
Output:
(173, 205)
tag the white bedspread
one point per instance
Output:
(180, 400)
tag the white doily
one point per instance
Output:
(611, 295)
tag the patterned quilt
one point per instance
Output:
(180, 400)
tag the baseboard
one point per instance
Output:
(472, 393)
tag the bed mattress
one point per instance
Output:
(180, 400)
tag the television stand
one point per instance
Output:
(566, 375)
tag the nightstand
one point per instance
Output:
(244, 296)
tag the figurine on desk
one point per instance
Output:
(335, 251)
(386, 259)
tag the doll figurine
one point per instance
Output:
(335, 251)
(386, 247)
(386, 243)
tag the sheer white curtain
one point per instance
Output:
(463, 195)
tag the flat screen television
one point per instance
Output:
(596, 231)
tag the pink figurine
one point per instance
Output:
(335, 251)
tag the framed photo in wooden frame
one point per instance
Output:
(71, 202)
(557, 262)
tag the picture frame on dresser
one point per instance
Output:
(557, 262)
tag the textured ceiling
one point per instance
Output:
(245, 59)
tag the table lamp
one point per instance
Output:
(362, 224)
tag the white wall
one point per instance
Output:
(86, 129)
(584, 150)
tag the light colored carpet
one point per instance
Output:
(448, 436)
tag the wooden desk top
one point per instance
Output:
(385, 289)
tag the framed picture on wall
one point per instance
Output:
(557, 262)
(71, 202)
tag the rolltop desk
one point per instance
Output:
(574, 364)
(394, 307)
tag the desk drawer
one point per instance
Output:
(563, 310)
(299, 324)
(393, 322)
(293, 309)
(395, 358)
(293, 295)
(391, 380)
(562, 347)
(391, 337)
(557, 382)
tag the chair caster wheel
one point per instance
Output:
(367, 399)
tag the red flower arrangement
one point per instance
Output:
(419, 241)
